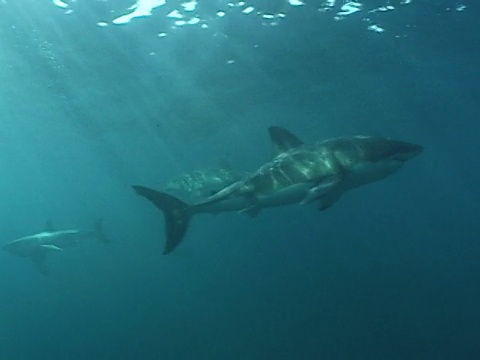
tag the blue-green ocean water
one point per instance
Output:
(390, 272)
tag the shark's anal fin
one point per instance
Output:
(39, 262)
(176, 212)
(50, 247)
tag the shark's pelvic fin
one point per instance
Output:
(51, 247)
(282, 139)
(322, 189)
(39, 262)
(329, 199)
(175, 211)
(99, 233)
(252, 211)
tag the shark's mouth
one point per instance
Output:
(406, 156)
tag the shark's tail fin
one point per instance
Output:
(100, 233)
(177, 216)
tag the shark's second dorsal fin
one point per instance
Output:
(282, 139)
(49, 226)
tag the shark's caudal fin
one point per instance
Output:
(99, 233)
(177, 216)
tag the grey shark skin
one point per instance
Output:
(298, 173)
(200, 184)
(37, 246)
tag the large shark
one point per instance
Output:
(37, 246)
(298, 173)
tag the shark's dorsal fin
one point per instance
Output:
(49, 226)
(282, 139)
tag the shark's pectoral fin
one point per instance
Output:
(50, 247)
(328, 200)
(39, 262)
(322, 188)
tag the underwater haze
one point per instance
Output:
(97, 96)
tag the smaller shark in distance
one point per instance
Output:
(37, 246)
(297, 174)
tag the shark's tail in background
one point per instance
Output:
(176, 213)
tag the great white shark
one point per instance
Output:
(37, 246)
(298, 173)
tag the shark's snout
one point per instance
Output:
(407, 151)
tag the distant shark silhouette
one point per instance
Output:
(38, 245)
(298, 173)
